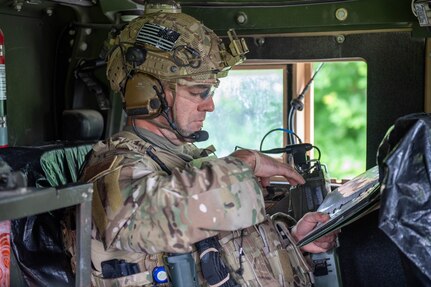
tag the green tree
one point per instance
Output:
(340, 117)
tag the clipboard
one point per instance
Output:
(347, 203)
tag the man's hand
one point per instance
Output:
(307, 223)
(265, 167)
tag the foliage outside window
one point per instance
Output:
(340, 117)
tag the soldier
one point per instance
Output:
(155, 193)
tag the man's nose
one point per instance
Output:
(207, 105)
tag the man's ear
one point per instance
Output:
(169, 94)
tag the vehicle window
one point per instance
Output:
(252, 101)
(248, 103)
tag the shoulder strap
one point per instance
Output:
(110, 155)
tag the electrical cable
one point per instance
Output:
(291, 124)
(296, 103)
(318, 150)
(149, 150)
(289, 132)
(307, 170)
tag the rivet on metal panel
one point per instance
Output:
(17, 5)
(83, 46)
(341, 14)
(340, 39)
(49, 11)
(241, 18)
(260, 41)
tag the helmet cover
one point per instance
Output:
(166, 47)
(177, 46)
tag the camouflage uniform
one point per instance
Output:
(140, 209)
(152, 197)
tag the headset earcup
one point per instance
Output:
(155, 104)
(140, 97)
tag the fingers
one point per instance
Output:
(327, 243)
(308, 222)
(292, 176)
(315, 217)
(327, 239)
(265, 181)
(313, 248)
(319, 247)
(265, 166)
(323, 244)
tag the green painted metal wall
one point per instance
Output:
(29, 55)
(287, 16)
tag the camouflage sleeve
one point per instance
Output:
(153, 212)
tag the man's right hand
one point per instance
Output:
(265, 167)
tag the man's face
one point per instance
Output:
(193, 100)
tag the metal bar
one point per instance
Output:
(83, 243)
(24, 202)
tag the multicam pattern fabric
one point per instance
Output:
(197, 52)
(265, 261)
(138, 207)
(140, 213)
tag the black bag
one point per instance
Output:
(404, 159)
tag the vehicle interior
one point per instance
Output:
(56, 103)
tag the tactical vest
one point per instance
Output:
(261, 255)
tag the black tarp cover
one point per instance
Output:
(404, 159)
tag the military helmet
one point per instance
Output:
(168, 46)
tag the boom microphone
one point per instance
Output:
(199, 136)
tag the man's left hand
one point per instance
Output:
(307, 223)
